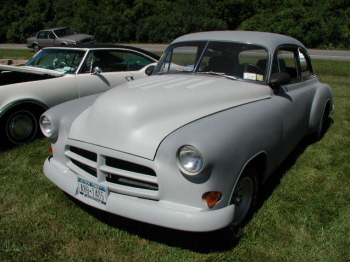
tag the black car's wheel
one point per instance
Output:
(20, 127)
(36, 48)
(245, 197)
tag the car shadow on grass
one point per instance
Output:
(208, 242)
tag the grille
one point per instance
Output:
(115, 171)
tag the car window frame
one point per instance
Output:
(296, 50)
(91, 53)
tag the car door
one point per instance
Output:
(294, 99)
(46, 38)
(104, 69)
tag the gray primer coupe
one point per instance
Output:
(189, 147)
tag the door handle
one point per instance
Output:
(129, 78)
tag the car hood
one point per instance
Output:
(135, 117)
(76, 37)
(31, 70)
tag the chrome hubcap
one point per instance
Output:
(21, 128)
(242, 198)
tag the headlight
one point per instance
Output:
(190, 160)
(46, 126)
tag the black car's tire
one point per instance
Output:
(245, 197)
(19, 127)
(36, 48)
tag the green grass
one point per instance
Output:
(16, 54)
(305, 215)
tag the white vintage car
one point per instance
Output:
(59, 74)
(189, 147)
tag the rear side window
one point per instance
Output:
(305, 65)
(294, 61)
(285, 62)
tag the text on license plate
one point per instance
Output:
(92, 190)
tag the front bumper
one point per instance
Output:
(159, 213)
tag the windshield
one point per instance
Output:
(228, 59)
(58, 59)
(64, 32)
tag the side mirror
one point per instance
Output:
(279, 79)
(96, 71)
(149, 70)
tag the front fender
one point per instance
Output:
(227, 140)
(63, 115)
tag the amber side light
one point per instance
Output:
(50, 150)
(212, 197)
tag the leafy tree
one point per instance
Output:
(316, 24)
(322, 23)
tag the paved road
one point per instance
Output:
(315, 54)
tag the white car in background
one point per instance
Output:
(59, 74)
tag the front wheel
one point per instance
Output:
(244, 197)
(36, 48)
(20, 127)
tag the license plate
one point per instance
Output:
(92, 190)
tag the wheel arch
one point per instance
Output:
(322, 103)
(36, 105)
(259, 161)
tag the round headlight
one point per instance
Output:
(46, 126)
(190, 160)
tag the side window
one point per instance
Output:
(42, 35)
(305, 65)
(115, 61)
(50, 35)
(285, 61)
(136, 61)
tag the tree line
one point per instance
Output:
(317, 23)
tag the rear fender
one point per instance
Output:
(323, 100)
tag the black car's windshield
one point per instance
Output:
(64, 32)
(225, 59)
(58, 59)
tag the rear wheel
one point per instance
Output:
(322, 126)
(244, 197)
(20, 127)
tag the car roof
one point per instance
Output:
(52, 29)
(102, 46)
(269, 40)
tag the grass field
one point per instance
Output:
(304, 214)
(16, 54)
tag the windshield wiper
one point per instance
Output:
(218, 74)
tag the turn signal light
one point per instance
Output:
(50, 149)
(212, 198)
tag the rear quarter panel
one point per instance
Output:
(323, 95)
